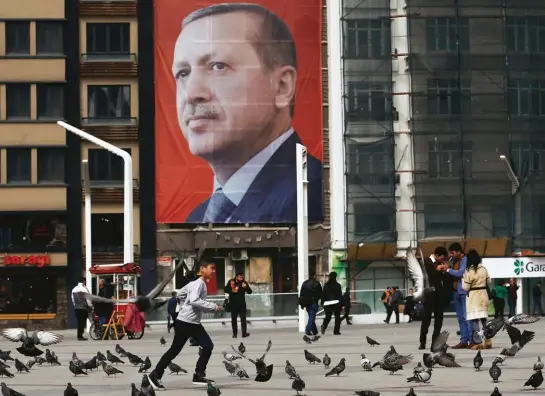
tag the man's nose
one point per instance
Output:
(197, 88)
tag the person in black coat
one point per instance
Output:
(409, 305)
(346, 305)
(237, 288)
(332, 292)
(309, 298)
(104, 310)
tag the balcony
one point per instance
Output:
(110, 257)
(111, 192)
(107, 8)
(112, 129)
(108, 65)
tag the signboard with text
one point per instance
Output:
(515, 267)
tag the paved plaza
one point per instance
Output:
(287, 344)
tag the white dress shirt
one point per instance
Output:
(238, 184)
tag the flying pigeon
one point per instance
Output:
(522, 318)
(418, 276)
(28, 348)
(264, 372)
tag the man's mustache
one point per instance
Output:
(203, 110)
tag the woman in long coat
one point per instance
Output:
(475, 282)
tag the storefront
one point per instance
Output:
(526, 270)
(33, 290)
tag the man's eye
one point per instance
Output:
(218, 66)
(182, 74)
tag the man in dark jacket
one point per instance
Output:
(434, 302)
(171, 308)
(237, 289)
(332, 292)
(104, 310)
(309, 298)
(346, 305)
(537, 293)
(395, 299)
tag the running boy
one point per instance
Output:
(192, 300)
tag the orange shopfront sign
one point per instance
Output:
(37, 261)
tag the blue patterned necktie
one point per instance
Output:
(219, 208)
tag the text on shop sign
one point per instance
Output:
(37, 261)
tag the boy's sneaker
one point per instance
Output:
(200, 379)
(155, 381)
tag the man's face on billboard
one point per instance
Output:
(224, 95)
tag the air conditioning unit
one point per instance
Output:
(239, 254)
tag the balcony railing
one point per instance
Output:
(107, 8)
(107, 121)
(109, 254)
(111, 191)
(111, 128)
(109, 64)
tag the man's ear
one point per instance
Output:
(286, 79)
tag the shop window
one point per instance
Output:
(32, 234)
(27, 294)
(107, 232)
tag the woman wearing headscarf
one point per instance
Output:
(475, 282)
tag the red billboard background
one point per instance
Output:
(183, 181)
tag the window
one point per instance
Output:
(447, 34)
(449, 97)
(17, 38)
(49, 38)
(369, 102)
(50, 101)
(372, 221)
(32, 234)
(105, 39)
(27, 294)
(527, 98)
(528, 159)
(367, 38)
(105, 166)
(371, 163)
(526, 34)
(107, 235)
(443, 220)
(110, 102)
(51, 165)
(448, 160)
(18, 101)
(18, 161)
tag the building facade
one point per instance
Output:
(434, 93)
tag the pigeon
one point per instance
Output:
(535, 380)
(411, 392)
(478, 361)
(495, 372)
(5, 373)
(240, 372)
(421, 378)
(150, 301)
(30, 363)
(53, 359)
(538, 365)
(212, 389)
(229, 367)
(39, 360)
(418, 276)
(522, 318)
(162, 341)
(418, 368)
(91, 364)
(311, 358)
(75, 369)
(290, 370)
(20, 366)
(134, 360)
(230, 357)
(77, 361)
(145, 366)
(242, 348)
(511, 351)
(120, 351)
(7, 391)
(146, 389)
(113, 359)
(310, 339)
(264, 372)
(110, 370)
(175, 369)
(517, 338)
(365, 363)
(298, 384)
(338, 369)
(499, 360)
(366, 393)
(326, 361)
(391, 366)
(100, 356)
(70, 390)
(491, 328)
(4, 365)
(371, 342)
(28, 347)
(135, 391)
(439, 354)
(496, 392)
(5, 355)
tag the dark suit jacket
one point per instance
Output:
(272, 197)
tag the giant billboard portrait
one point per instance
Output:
(237, 86)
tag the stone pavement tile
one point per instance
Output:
(288, 344)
